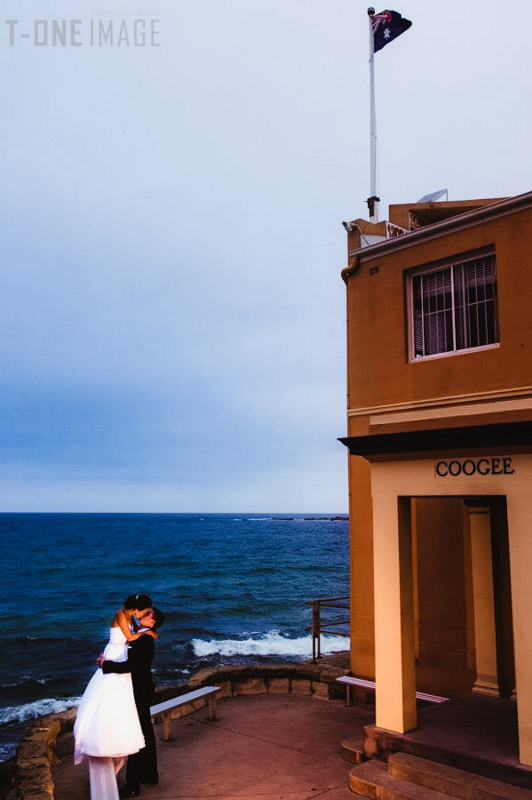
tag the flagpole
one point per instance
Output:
(373, 200)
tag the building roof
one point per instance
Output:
(432, 220)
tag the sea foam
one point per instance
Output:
(269, 644)
(39, 708)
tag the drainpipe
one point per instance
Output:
(351, 268)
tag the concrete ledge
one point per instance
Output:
(249, 686)
(278, 685)
(300, 686)
(237, 674)
(321, 691)
(299, 679)
(33, 778)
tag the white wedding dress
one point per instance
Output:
(107, 723)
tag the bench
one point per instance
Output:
(365, 684)
(165, 709)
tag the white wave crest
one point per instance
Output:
(22, 680)
(39, 708)
(272, 643)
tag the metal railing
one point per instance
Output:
(320, 626)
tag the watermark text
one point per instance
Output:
(102, 30)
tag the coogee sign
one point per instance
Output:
(457, 467)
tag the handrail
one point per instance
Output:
(320, 626)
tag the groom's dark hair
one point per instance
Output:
(158, 616)
(139, 601)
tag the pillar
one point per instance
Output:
(520, 543)
(483, 603)
(395, 681)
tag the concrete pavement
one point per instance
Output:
(270, 747)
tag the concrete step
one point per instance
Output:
(455, 782)
(352, 750)
(373, 780)
(448, 749)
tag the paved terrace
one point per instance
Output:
(266, 747)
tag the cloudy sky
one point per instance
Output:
(173, 317)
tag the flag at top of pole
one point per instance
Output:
(386, 27)
(383, 28)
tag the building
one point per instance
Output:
(439, 315)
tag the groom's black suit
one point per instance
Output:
(142, 766)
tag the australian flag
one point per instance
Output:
(386, 27)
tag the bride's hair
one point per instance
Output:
(139, 601)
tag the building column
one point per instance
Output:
(483, 602)
(395, 680)
(520, 540)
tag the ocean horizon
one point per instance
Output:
(234, 588)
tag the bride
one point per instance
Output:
(107, 722)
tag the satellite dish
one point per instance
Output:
(431, 198)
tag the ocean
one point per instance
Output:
(233, 587)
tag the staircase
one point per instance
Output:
(408, 777)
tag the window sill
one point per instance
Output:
(452, 353)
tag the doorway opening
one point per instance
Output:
(462, 600)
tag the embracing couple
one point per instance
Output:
(113, 718)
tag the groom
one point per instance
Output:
(142, 766)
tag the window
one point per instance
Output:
(454, 307)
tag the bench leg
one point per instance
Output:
(166, 726)
(212, 707)
(347, 695)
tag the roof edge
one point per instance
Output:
(460, 222)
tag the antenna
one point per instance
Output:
(431, 198)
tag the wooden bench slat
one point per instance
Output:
(365, 684)
(431, 698)
(182, 699)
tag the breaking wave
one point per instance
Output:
(272, 643)
(39, 708)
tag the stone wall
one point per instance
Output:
(300, 679)
(35, 753)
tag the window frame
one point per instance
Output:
(437, 266)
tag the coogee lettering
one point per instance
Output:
(500, 465)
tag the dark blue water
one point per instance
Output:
(233, 588)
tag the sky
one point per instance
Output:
(173, 323)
